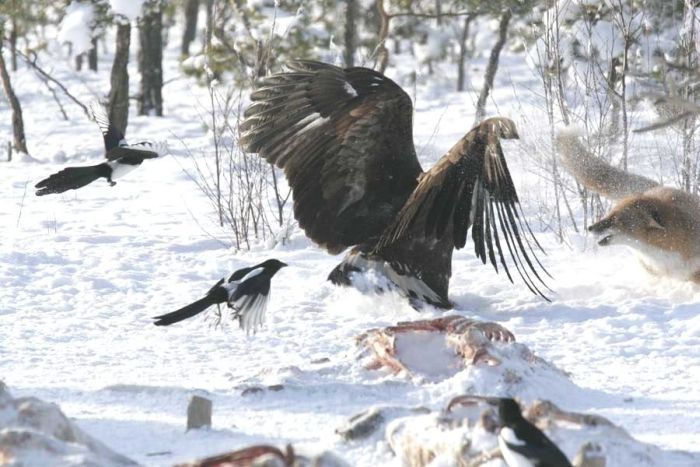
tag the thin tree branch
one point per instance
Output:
(48, 77)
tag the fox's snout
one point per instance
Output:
(605, 230)
(601, 225)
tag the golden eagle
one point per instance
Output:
(344, 139)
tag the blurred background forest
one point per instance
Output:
(620, 69)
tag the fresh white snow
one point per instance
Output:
(76, 26)
(82, 274)
(131, 9)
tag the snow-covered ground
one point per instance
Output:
(82, 274)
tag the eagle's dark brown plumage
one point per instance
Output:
(344, 138)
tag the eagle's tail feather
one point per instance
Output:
(419, 286)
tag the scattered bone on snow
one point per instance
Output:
(465, 434)
(436, 348)
(268, 456)
(366, 423)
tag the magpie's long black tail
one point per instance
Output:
(186, 312)
(71, 178)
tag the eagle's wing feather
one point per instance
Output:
(471, 187)
(344, 139)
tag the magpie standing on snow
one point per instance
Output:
(121, 159)
(246, 292)
(522, 443)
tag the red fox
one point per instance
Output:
(662, 224)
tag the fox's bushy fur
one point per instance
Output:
(661, 223)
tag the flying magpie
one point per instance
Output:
(246, 292)
(522, 443)
(122, 158)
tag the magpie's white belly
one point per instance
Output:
(512, 458)
(119, 170)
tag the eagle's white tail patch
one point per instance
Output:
(409, 283)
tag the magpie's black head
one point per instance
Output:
(271, 266)
(508, 411)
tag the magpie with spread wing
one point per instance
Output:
(522, 444)
(122, 158)
(344, 139)
(246, 292)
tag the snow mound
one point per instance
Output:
(466, 433)
(37, 433)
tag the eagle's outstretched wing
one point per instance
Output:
(471, 186)
(344, 139)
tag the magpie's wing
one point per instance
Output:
(256, 285)
(111, 134)
(471, 186)
(344, 139)
(251, 312)
(240, 274)
(250, 301)
(134, 153)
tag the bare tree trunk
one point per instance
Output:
(612, 79)
(17, 122)
(79, 61)
(191, 15)
(209, 23)
(261, 60)
(119, 93)
(92, 55)
(463, 53)
(382, 51)
(350, 32)
(13, 44)
(492, 66)
(688, 129)
(151, 60)
(623, 103)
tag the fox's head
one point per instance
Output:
(632, 221)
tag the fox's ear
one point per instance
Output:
(654, 221)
